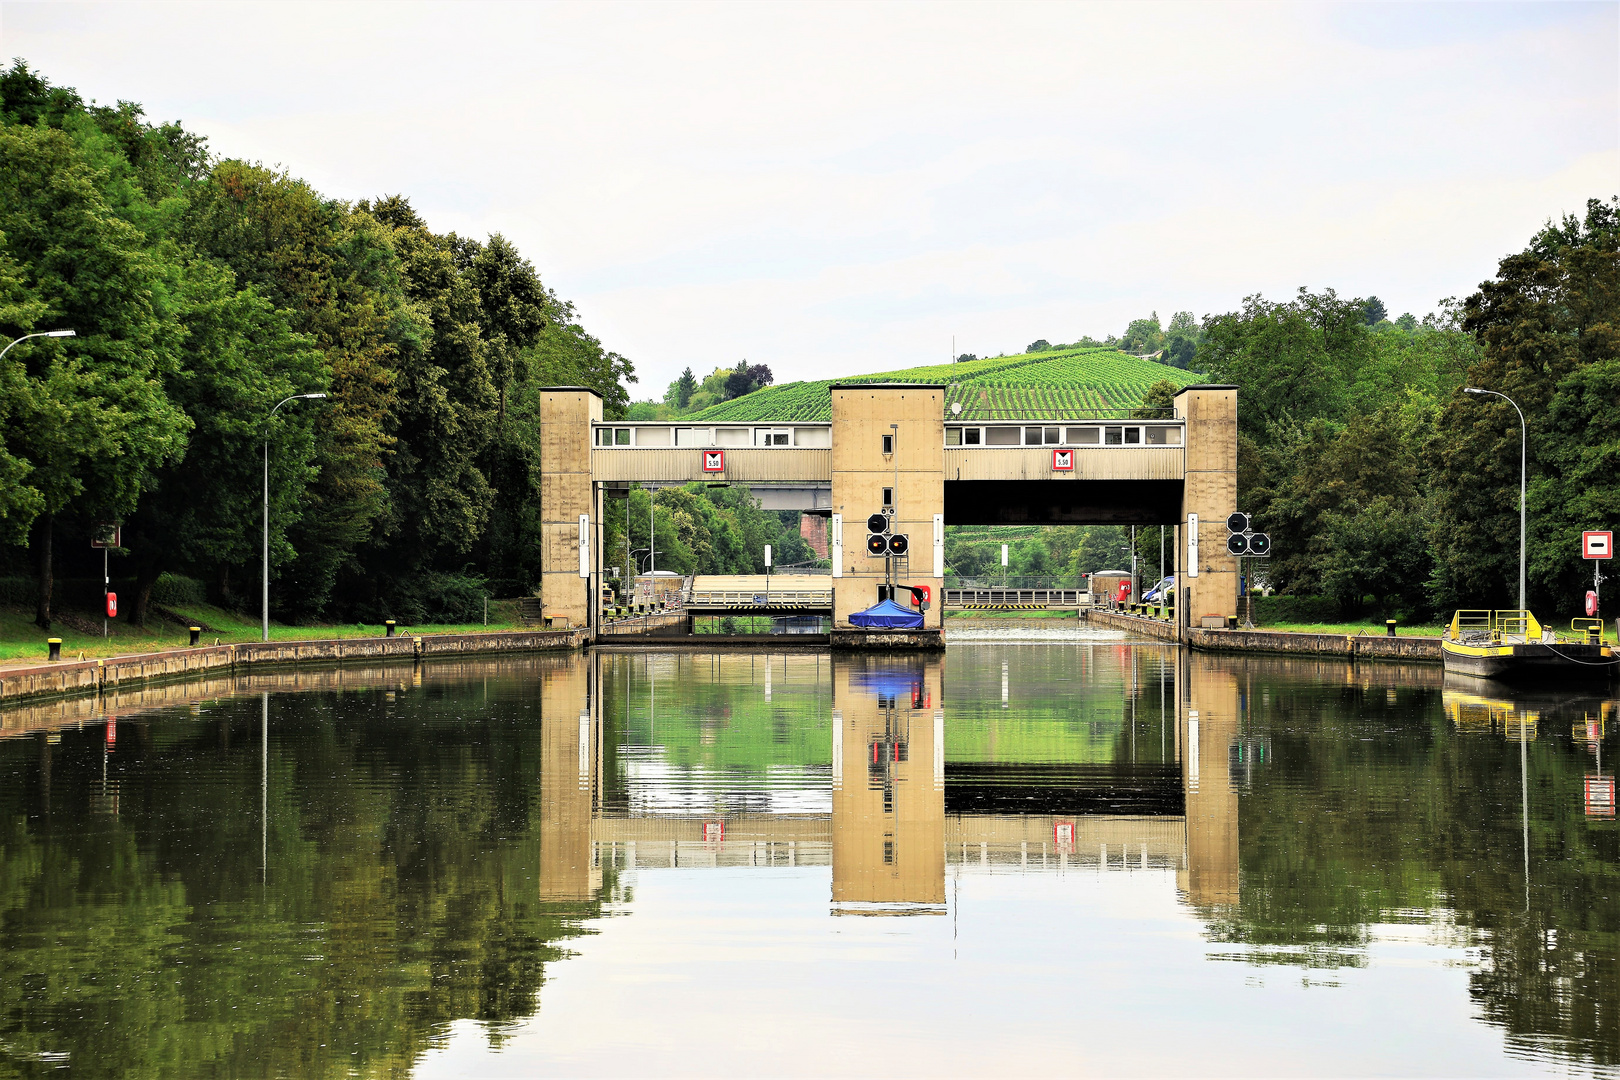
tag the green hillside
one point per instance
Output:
(1035, 385)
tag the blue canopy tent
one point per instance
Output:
(887, 615)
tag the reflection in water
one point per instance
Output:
(536, 845)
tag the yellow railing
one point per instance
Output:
(1480, 625)
(1589, 630)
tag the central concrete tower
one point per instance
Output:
(888, 443)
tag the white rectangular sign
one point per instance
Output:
(584, 545)
(767, 554)
(1597, 545)
(939, 545)
(837, 547)
(1192, 545)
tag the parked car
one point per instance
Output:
(1162, 589)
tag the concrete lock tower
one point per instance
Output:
(888, 457)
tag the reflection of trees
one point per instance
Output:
(1372, 809)
(401, 893)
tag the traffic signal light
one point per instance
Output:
(877, 544)
(877, 523)
(1259, 544)
(1237, 543)
(899, 544)
(1238, 522)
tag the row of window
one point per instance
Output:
(714, 436)
(1059, 435)
(955, 435)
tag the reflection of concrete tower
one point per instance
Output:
(567, 766)
(888, 781)
(1208, 725)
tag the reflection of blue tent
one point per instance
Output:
(888, 615)
(889, 684)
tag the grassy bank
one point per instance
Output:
(23, 642)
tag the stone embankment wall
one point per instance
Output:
(114, 672)
(1346, 646)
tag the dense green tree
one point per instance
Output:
(238, 359)
(1549, 327)
(1373, 311)
(89, 417)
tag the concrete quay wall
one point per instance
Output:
(1344, 646)
(115, 672)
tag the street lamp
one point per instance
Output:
(1524, 441)
(43, 333)
(265, 600)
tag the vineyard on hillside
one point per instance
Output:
(1083, 382)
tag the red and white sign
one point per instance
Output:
(714, 461)
(1600, 796)
(1591, 602)
(714, 832)
(1063, 835)
(112, 605)
(1063, 461)
(1597, 545)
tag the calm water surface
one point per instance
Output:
(1024, 857)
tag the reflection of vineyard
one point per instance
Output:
(1032, 386)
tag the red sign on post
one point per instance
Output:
(1063, 461)
(714, 461)
(112, 605)
(1598, 544)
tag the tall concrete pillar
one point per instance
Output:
(913, 414)
(568, 757)
(1208, 726)
(566, 415)
(1210, 491)
(888, 800)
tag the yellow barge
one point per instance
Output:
(1510, 644)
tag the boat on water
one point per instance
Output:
(1510, 644)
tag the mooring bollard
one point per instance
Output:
(196, 635)
(1231, 622)
(1389, 624)
(390, 631)
(56, 648)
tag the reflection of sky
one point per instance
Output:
(721, 972)
(656, 786)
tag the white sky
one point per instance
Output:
(839, 188)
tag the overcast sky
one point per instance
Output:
(839, 188)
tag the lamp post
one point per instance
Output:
(1524, 442)
(42, 333)
(265, 599)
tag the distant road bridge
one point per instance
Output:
(1017, 599)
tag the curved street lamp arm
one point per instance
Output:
(42, 333)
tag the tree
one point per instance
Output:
(1143, 335)
(91, 422)
(1038, 345)
(682, 389)
(1549, 328)
(239, 358)
(1158, 402)
(1373, 311)
(966, 358)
